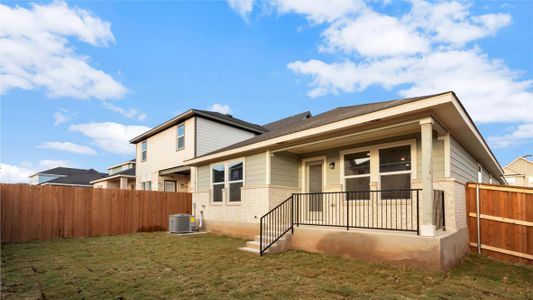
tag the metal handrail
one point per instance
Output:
(275, 224)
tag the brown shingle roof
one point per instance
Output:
(331, 116)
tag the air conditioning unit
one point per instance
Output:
(180, 223)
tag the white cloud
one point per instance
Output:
(521, 135)
(372, 35)
(130, 113)
(36, 51)
(111, 137)
(19, 174)
(68, 147)
(62, 116)
(243, 7)
(320, 11)
(220, 108)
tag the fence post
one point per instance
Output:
(477, 221)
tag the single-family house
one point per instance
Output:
(162, 150)
(519, 172)
(120, 176)
(383, 181)
(66, 177)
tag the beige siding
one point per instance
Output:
(285, 169)
(463, 165)
(212, 135)
(203, 178)
(438, 158)
(522, 166)
(255, 169)
(162, 153)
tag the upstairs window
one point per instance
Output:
(180, 143)
(144, 150)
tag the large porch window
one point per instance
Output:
(357, 173)
(395, 171)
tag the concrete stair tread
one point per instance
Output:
(248, 249)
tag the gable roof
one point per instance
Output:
(289, 121)
(80, 178)
(126, 173)
(331, 116)
(61, 171)
(211, 115)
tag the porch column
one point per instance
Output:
(123, 183)
(426, 227)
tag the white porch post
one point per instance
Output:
(426, 227)
(123, 183)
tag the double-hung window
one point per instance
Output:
(357, 175)
(219, 180)
(146, 185)
(235, 181)
(227, 178)
(395, 172)
(180, 138)
(144, 150)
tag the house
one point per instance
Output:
(382, 181)
(66, 177)
(519, 172)
(162, 151)
(120, 176)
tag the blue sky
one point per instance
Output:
(79, 79)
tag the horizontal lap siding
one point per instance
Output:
(463, 165)
(285, 169)
(213, 135)
(203, 177)
(255, 169)
(32, 212)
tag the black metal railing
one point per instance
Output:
(275, 224)
(439, 218)
(378, 209)
(375, 209)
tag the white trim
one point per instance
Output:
(122, 164)
(268, 163)
(304, 171)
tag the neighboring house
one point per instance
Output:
(121, 176)
(519, 172)
(162, 150)
(66, 177)
(319, 170)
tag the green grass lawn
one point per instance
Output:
(159, 265)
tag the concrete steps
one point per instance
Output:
(280, 245)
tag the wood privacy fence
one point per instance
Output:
(506, 221)
(32, 212)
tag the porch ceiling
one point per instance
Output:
(352, 137)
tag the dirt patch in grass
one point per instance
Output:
(159, 265)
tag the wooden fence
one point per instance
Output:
(32, 212)
(506, 221)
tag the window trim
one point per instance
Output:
(178, 136)
(375, 174)
(144, 151)
(225, 192)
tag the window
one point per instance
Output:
(146, 185)
(218, 173)
(180, 143)
(231, 184)
(235, 181)
(144, 150)
(357, 175)
(395, 172)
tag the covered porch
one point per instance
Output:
(176, 179)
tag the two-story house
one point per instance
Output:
(120, 176)
(162, 150)
(62, 176)
(520, 171)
